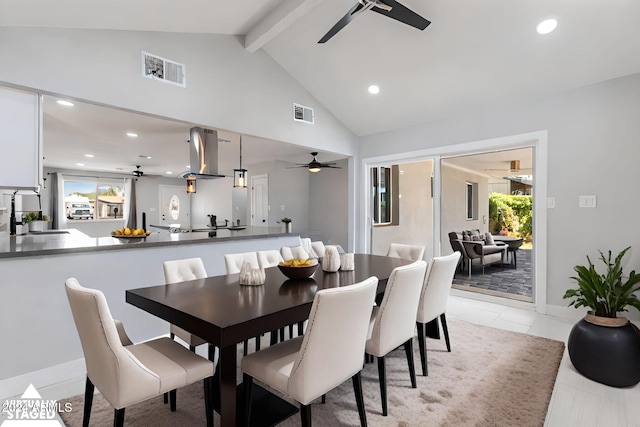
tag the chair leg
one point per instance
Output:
(192, 348)
(300, 329)
(357, 390)
(382, 375)
(245, 348)
(247, 383)
(423, 347)
(208, 400)
(408, 349)
(165, 398)
(305, 415)
(118, 417)
(324, 398)
(172, 335)
(88, 401)
(290, 331)
(274, 338)
(258, 343)
(281, 334)
(443, 320)
(172, 400)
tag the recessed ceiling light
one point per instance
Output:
(65, 103)
(169, 173)
(132, 134)
(374, 89)
(546, 26)
(79, 164)
(88, 155)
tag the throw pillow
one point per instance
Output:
(476, 238)
(489, 239)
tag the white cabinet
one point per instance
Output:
(20, 139)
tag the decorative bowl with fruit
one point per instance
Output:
(130, 233)
(298, 268)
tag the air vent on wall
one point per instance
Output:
(158, 68)
(302, 113)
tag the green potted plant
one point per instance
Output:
(287, 224)
(603, 346)
(36, 221)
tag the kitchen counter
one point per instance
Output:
(53, 242)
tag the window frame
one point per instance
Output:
(471, 200)
(391, 190)
(117, 183)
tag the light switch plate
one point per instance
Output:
(551, 202)
(587, 201)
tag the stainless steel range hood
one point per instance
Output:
(203, 154)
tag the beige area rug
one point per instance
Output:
(492, 377)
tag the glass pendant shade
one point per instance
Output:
(240, 178)
(240, 175)
(191, 184)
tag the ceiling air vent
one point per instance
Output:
(157, 68)
(302, 113)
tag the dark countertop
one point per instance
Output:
(52, 242)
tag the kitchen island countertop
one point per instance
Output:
(73, 241)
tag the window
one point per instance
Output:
(87, 200)
(384, 187)
(472, 200)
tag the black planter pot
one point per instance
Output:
(608, 355)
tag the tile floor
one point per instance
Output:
(576, 401)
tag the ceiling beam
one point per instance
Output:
(278, 20)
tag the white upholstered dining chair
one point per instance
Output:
(127, 373)
(305, 368)
(269, 258)
(393, 323)
(293, 252)
(233, 262)
(433, 301)
(318, 247)
(181, 270)
(410, 252)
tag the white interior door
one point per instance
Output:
(260, 200)
(174, 206)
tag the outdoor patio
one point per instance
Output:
(507, 282)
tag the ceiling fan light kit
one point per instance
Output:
(315, 166)
(389, 8)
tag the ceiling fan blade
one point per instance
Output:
(333, 167)
(355, 11)
(402, 14)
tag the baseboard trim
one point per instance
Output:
(15, 386)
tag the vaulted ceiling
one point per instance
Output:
(474, 55)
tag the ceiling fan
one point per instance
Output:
(314, 165)
(390, 8)
(137, 173)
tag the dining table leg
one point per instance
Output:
(228, 402)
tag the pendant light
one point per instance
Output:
(240, 175)
(191, 184)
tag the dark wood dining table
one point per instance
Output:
(225, 313)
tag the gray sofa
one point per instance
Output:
(477, 249)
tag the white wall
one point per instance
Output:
(454, 204)
(329, 205)
(288, 187)
(593, 149)
(415, 225)
(227, 86)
